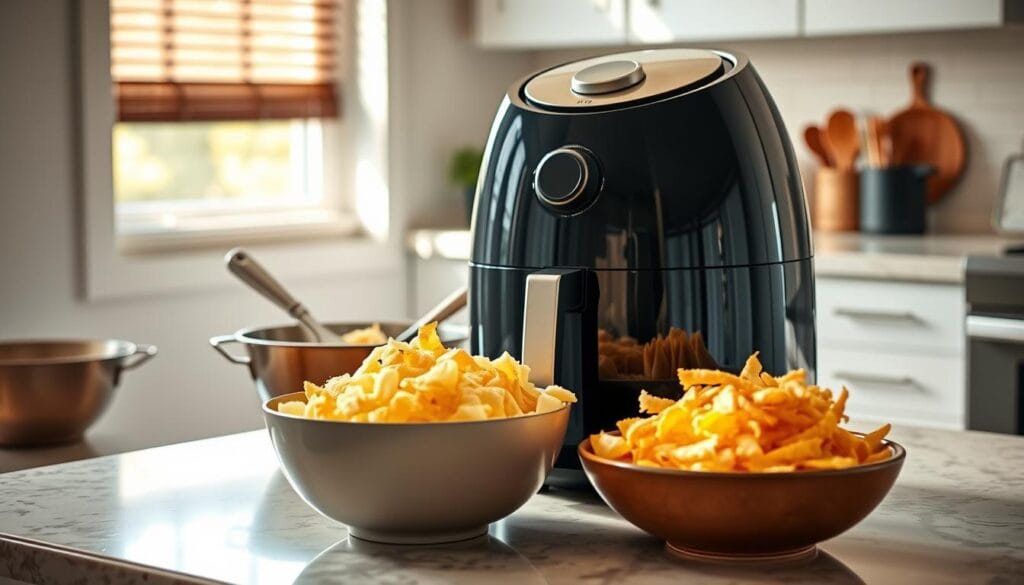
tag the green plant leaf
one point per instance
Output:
(464, 166)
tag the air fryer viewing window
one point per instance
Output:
(624, 358)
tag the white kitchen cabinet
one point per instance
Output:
(898, 347)
(834, 17)
(869, 313)
(539, 24)
(543, 23)
(897, 386)
(665, 21)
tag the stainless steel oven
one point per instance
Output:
(995, 343)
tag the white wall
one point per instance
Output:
(444, 94)
(978, 76)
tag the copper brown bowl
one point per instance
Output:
(51, 391)
(742, 516)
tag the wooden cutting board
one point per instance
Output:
(924, 134)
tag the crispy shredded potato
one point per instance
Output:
(372, 335)
(424, 382)
(750, 422)
(625, 358)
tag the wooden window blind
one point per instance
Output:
(181, 60)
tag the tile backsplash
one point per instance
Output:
(977, 76)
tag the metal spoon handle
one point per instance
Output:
(441, 311)
(252, 273)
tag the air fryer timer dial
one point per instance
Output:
(567, 179)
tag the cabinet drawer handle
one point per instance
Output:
(877, 315)
(876, 379)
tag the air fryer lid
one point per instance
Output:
(623, 78)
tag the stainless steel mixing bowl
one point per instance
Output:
(51, 391)
(280, 360)
(415, 483)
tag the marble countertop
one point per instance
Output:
(219, 510)
(927, 258)
(95, 444)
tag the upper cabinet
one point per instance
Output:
(581, 23)
(547, 23)
(840, 17)
(665, 21)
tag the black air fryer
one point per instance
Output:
(638, 213)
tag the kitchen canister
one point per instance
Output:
(835, 200)
(893, 200)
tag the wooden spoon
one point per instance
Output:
(884, 143)
(875, 130)
(813, 138)
(842, 135)
(923, 134)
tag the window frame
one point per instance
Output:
(358, 238)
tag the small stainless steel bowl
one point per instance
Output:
(415, 483)
(51, 391)
(279, 359)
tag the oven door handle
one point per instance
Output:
(995, 328)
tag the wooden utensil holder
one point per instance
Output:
(836, 196)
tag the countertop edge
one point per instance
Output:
(890, 267)
(54, 563)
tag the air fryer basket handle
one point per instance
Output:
(560, 343)
(552, 296)
(540, 324)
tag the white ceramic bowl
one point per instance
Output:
(417, 482)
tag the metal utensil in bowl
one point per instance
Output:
(386, 480)
(280, 359)
(252, 273)
(51, 391)
(451, 304)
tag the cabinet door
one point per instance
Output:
(828, 17)
(902, 388)
(871, 313)
(543, 23)
(662, 21)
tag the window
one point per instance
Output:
(184, 251)
(224, 115)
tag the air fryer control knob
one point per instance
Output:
(567, 179)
